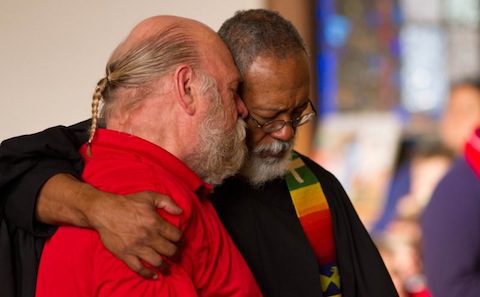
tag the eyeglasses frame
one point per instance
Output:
(299, 121)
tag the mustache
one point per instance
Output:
(277, 146)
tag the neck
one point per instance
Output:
(154, 121)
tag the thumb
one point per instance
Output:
(166, 203)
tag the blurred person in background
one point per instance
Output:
(426, 160)
(399, 240)
(422, 161)
(461, 115)
(451, 220)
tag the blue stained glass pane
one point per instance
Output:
(424, 73)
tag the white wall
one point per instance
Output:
(52, 52)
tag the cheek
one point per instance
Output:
(230, 115)
(231, 106)
(257, 137)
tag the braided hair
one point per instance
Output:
(136, 68)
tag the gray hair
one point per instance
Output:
(136, 68)
(251, 33)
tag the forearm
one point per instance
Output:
(129, 226)
(64, 200)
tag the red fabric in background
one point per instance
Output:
(472, 151)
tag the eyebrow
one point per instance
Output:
(304, 104)
(273, 109)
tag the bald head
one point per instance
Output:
(157, 44)
(150, 28)
(152, 49)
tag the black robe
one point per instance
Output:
(262, 223)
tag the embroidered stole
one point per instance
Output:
(314, 215)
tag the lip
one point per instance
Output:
(270, 154)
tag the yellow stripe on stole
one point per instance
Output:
(334, 278)
(309, 199)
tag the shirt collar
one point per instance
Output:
(144, 149)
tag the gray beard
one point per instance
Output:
(219, 153)
(258, 169)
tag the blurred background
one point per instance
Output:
(385, 75)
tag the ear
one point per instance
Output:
(184, 88)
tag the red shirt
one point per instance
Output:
(74, 261)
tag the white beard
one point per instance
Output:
(259, 169)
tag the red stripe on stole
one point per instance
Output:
(317, 227)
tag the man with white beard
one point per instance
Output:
(287, 253)
(289, 217)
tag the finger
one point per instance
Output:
(167, 231)
(150, 258)
(136, 265)
(166, 203)
(163, 246)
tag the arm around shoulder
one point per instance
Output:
(27, 162)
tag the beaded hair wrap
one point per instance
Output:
(102, 85)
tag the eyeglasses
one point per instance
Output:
(275, 125)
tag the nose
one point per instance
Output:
(284, 134)
(241, 108)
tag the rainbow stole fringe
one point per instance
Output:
(314, 215)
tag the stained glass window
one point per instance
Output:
(440, 44)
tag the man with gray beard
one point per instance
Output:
(291, 249)
(159, 90)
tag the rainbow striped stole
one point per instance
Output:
(314, 215)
